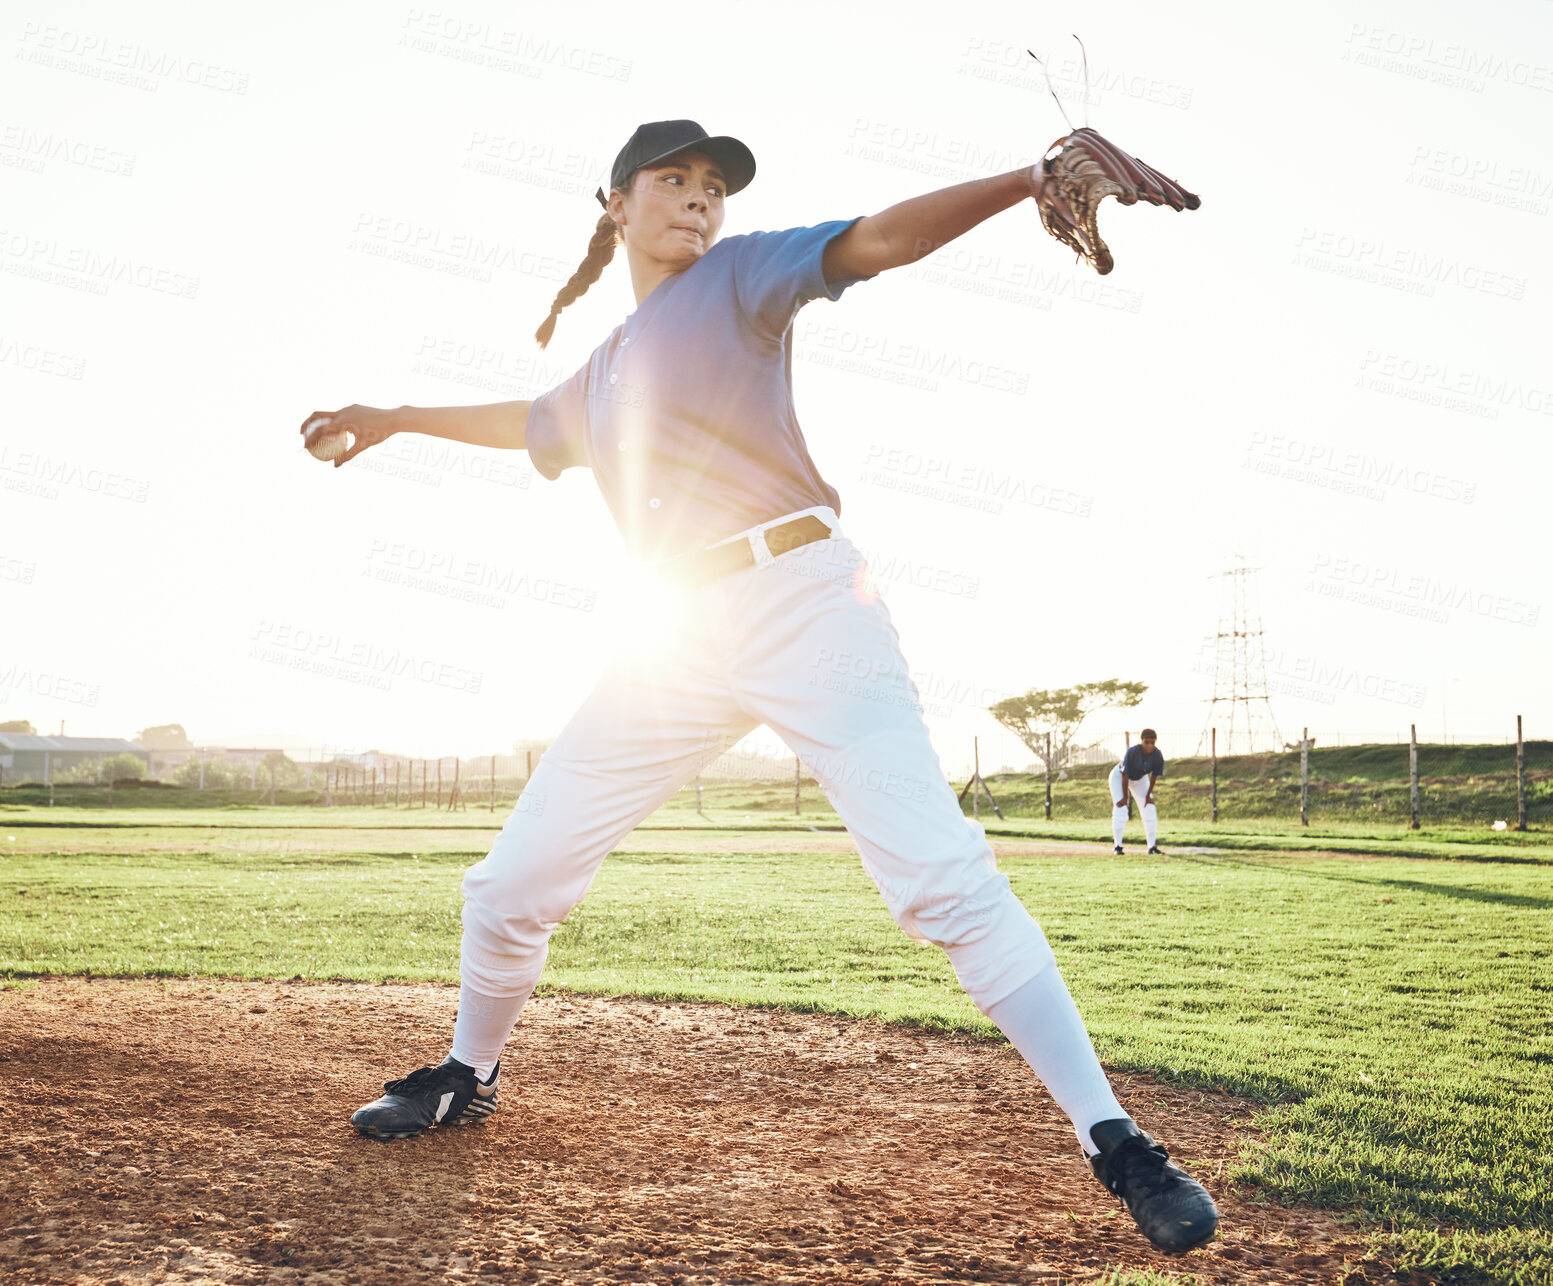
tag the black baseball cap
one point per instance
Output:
(658, 140)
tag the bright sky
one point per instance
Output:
(218, 220)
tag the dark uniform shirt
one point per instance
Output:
(1138, 765)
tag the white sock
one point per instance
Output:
(1150, 823)
(1119, 823)
(482, 1027)
(1043, 1024)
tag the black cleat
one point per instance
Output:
(448, 1094)
(1158, 850)
(1118, 850)
(1171, 1208)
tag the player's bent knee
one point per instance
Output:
(992, 941)
(498, 972)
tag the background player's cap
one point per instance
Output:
(659, 140)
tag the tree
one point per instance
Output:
(1060, 711)
(118, 767)
(218, 774)
(18, 725)
(282, 772)
(165, 736)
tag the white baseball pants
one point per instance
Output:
(797, 643)
(1140, 790)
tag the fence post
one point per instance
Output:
(1304, 776)
(975, 780)
(1412, 773)
(797, 786)
(1048, 776)
(439, 783)
(1126, 746)
(1520, 777)
(698, 793)
(1213, 790)
(493, 783)
(253, 773)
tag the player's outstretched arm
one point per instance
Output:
(499, 425)
(913, 228)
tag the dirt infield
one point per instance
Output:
(183, 1133)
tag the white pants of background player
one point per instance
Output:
(800, 644)
(1140, 789)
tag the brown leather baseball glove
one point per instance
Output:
(1081, 169)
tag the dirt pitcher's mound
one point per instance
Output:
(181, 1132)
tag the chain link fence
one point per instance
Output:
(1366, 779)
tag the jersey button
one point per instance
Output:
(654, 502)
(614, 378)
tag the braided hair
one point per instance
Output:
(601, 249)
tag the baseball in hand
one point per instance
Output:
(324, 439)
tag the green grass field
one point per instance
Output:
(1392, 1013)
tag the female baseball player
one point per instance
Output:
(685, 416)
(1140, 761)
